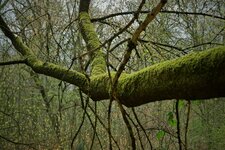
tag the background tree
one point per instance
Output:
(106, 56)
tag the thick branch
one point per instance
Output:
(58, 72)
(195, 76)
(17, 43)
(41, 67)
(91, 39)
(84, 5)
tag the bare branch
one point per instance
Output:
(17, 143)
(162, 11)
(13, 62)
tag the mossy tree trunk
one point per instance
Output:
(195, 76)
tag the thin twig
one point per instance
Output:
(94, 127)
(17, 143)
(178, 125)
(103, 125)
(83, 117)
(187, 123)
(111, 99)
(162, 11)
(118, 73)
(139, 123)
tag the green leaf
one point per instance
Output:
(171, 120)
(196, 102)
(181, 103)
(160, 134)
(170, 115)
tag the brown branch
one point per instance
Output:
(17, 143)
(162, 11)
(118, 73)
(13, 62)
(103, 125)
(147, 20)
(116, 34)
(17, 43)
(84, 107)
(131, 45)
(193, 13)
(49, 69)
(133, 42)
(178, 125)
(164, 45)
(118, 44)
(194, 46)
(84, 5)
(142, 128)
(187, 124)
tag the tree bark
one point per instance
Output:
(195, 76)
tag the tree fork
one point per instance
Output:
(196, 76)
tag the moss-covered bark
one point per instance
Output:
(93, 44)
(58, 72)
(196, 76)
(41, 67)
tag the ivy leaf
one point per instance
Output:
(160, 134)
(181, 103)
(170, 115)
(171, 120)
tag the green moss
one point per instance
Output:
(184, 77)
(99, 87)
(195, 76)
(98, 65)
(58, 72)
(21, 47)
(91, 38)
(88, 31)
(198, 75)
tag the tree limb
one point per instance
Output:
(41, 67)
(13, 62)
(162, 11)
(17, 143)
(91, 39)
(195, 76)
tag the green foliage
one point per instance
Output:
(160, 134)
(171, 119)
(181, 104)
